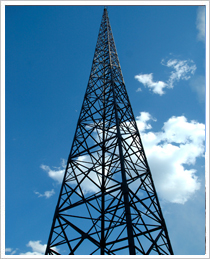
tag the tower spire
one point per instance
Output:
(108, 203)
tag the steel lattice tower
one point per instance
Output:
(107, 203)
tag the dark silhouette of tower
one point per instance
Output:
(107, 203)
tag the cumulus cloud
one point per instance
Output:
(147, 80)
(171, 152)
(200, 23)
(37, 248)
(168, 151)
(142, 121)
(57, 173)
(47, 194)
(181, 70)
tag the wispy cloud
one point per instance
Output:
(47, 194)
(10, 251)
(200, 23)
(57, 173)
(181, 70)
(172, 153)
(147, 80)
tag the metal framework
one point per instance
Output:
(107, 204)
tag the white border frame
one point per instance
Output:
(2, 96)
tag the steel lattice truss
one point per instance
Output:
(108, 203)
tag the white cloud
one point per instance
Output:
(37, 248)
(10, 251)
(169, 151)
(56, 174)
(200, 23)
(87, 185)
(147, 80)
(139, 90)
(47, 194)
(142, 121)
(182, 70)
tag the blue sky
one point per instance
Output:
(49, 53)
